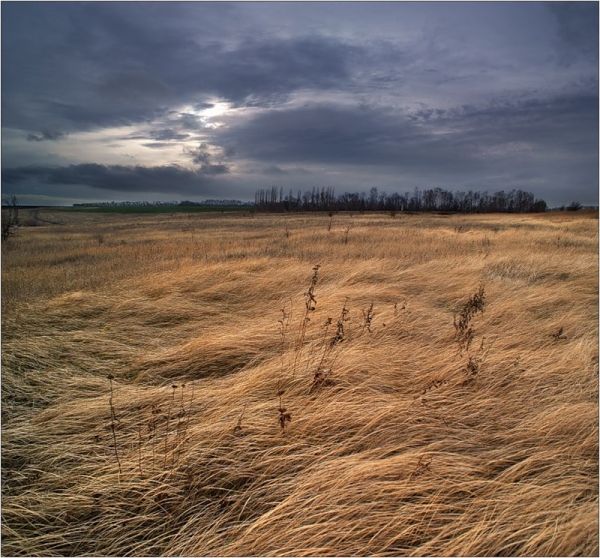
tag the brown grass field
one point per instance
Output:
(408, 435)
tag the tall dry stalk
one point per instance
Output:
(323, 371)
(368, 318)
(171, 402)
(310, 304)
(113, 420)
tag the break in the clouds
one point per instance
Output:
(192, 100)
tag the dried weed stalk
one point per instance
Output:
(423, 465)
(368, 318)
(475, 362)
(284, 326)
(310, 306)
(140, 449)
(463, 329)
(155, 411)
(171, 402)
(284, 416)
(323, 371)
(113, 420)
(434, 384)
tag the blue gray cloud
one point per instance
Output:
(118, 178)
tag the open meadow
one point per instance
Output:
(270, 384)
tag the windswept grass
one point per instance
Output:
(300, 385)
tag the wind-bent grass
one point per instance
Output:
(399, 443)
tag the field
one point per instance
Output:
(168, 388)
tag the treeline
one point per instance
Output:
(125, 204)
(434, 199)
(214, 202)
(184, 203)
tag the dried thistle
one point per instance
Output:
(463, 329)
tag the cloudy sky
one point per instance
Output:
(169, 101)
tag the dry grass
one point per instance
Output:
(396, 445)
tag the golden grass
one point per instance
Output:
(402, 451)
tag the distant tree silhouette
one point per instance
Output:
(434, 199)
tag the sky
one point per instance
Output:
(196, 100)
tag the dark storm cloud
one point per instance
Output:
(447, 139)
(324, 133)
(118, 178)
(121, 70)
(500, 145)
